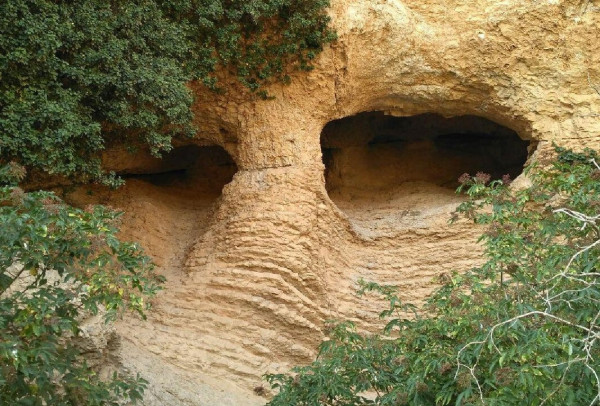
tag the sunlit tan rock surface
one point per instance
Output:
(256, 268)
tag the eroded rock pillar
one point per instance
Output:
(256, 269)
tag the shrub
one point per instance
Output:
(521, 329)
(58, 265)
(77, 75)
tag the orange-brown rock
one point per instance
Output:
(253, 274)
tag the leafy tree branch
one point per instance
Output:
(59, 265)
(521, 329)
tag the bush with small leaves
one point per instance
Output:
(522, 329)
(78, 75)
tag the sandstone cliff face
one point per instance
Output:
(253, 274)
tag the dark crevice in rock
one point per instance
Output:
(377, 151)
(211, 165)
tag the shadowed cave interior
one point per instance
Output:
(205, 169)
(382, 168)
(168, 203)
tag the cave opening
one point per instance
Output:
(199, 169)
(377, 165)
(168, 202)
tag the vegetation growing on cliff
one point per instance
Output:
(521, 329)
(59, 265)
(76, 75)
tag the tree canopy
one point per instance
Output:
(76, 75)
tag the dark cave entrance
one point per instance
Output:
(169, 202)
(203, 169)
(375, 161)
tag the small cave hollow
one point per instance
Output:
(377, 165)
(201, 169)
(168, 202)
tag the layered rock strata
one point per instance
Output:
(254, 274)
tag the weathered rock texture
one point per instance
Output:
(253, 274)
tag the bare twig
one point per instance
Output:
(596, 89)
(591, 332)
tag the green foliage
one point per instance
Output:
(59, 264)
(257, 39)
(76, 75)
(521, 329)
